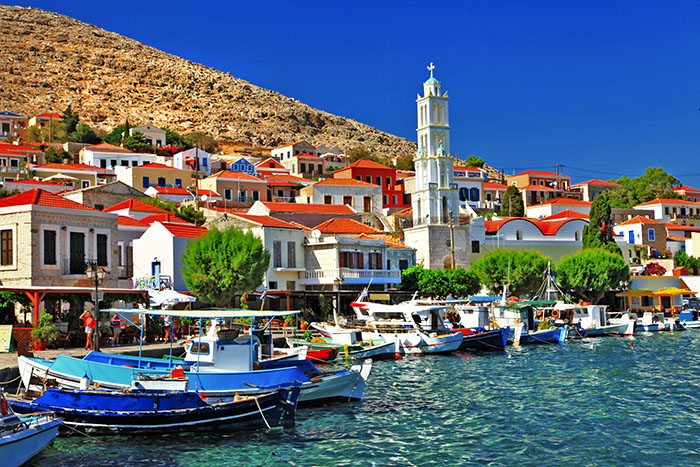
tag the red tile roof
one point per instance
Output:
(541, 172)
(50, 115)
(39, 197)
(470, 169)
(17, 147)
(267, 162)
(286, 178)
(134, 205)
(365, 164)
(681, 228)
(640, 220)
(169, 190)
(235, 176)
(596, 182)
(339, 225)
(164, 217)
(494, 186)
(677, 238)
(566, 214)
(564, 202)
(381, 237)
(344, 182)
(404, 212)
(668, 201)
(537, 187)
(547, 227)
(82, 167)
(308, 208)
(267, 221)
(684, 188)
(185, 230)
(126, 220)
(106, 147)
(304, 154)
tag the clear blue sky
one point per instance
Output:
(608, 87)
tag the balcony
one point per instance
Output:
(350, 276)
(153, 283)
(71, 267)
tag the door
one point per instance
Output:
(631, 238)
(367, 204)
(77, 253)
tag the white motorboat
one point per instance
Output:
(23, 437)
(589, 320)
(655, 321)
(418, 329)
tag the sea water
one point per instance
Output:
(603, 401)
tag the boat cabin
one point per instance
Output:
(224, 350)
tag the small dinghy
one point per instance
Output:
(23, 437)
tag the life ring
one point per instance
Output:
(570, 314)
(4, 407)
(555, 314)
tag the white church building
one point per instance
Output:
(439, 239)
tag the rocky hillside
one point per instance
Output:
(50, 61)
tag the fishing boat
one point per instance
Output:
(23, 437)
(138, 412)
(484, 340)
(350, 342)
(655, 321)
(519, 317)
(217, 366)
(690, 319)
(585, 319)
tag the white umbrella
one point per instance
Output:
(168, 297)
(60, 176)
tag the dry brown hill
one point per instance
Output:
(50, 61)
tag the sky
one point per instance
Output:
(603, 89)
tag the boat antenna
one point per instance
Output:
(505, 286)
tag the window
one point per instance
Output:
(272, 285)
(386, 200)
(291, 254)
(124, 163)
(161, 181)
(120, 260)
(146, 182)
(394, 200)
(518, 234)
(302, 167)
(291, 285)
(474, 194)
(85, 184)
(134, 163)
(14, 163)
(6, 253)
(49, 247)
(103, 163)
(378, 181)
(204, 161)
(280, 193)
(227, 194)
(651, 235)
(388, 182)
(403, 264)
(328, 199)
(100, 206)
(359, 177)
(113, 162)
(347, 200)
(242, 196)
(576, 235)
(320, 168)
(475, 246)
(368, 179)
(202, 349)
(178, 182)
(276, 254)
(256, 195)
(101, 250)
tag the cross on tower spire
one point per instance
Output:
(431, 68)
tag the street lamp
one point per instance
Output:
(96, 275)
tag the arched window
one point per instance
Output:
(463, 194)
(474, 194)
(576, 235)
(518, 234)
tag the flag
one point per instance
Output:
(264, 294)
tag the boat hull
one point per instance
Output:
(109, 412)
(496, 339)
(18, 447)
(622, 329)
(552, 336)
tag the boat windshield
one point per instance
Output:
(202, 349)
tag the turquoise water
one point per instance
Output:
(596, 402)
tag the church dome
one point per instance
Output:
(432, 80)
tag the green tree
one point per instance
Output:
(187, 213)
(361, 153)
(598, 233)
(457, 283)
(411, 276)
(203, 141)
(405, 162)
(655, 183)
(224, 264)
(174, 138)
(682, 260)
(136, 142)
(84, 134)
(512, 203)
(70, 120)
(590, 273)
(474, 161)
(115, 136)
(521, 270)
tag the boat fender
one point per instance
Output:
(4, 407)
(85, 382)
(555, 314)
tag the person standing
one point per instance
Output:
(89, 323)
(116, 329)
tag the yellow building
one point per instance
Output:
(144, 176)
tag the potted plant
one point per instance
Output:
(44, 332)
(288, 321)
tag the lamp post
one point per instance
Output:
(96, 275)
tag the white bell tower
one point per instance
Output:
(435, 196)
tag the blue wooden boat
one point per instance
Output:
(23, 437)
(483, 340)
(551, 336)
(109, 412)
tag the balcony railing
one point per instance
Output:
(342, 274)
(71, 267)
(153, 283)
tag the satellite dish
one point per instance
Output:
(316, 234)
(205, 198)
